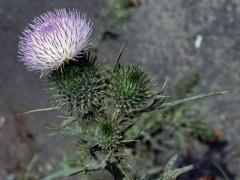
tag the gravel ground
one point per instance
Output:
(168, 37)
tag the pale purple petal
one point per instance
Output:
(53, 38)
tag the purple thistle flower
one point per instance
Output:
(54, 38)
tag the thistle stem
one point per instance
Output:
(114, 170)
(110, 166)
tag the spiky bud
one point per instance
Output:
(80, 87)
(131, 88)
(54, 38)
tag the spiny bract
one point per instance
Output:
(54, 38)
(131, 88)
(80, 87)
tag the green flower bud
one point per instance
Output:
(131, 88)
(80, 87)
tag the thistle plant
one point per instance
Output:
(102, 103)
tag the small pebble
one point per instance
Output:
(198, 41)
(2, 121)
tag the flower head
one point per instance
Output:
(54, 38)
(130, 88)
(80, 88)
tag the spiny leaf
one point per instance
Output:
(62, 173)
(40, 110)
(170, 174)
(70, 171)
(116, 66)
(68, 121)
(184, 100)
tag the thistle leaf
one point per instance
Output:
(116, 66)
(40, 110)
(184, 100)
(67, 171)
(169, 174)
